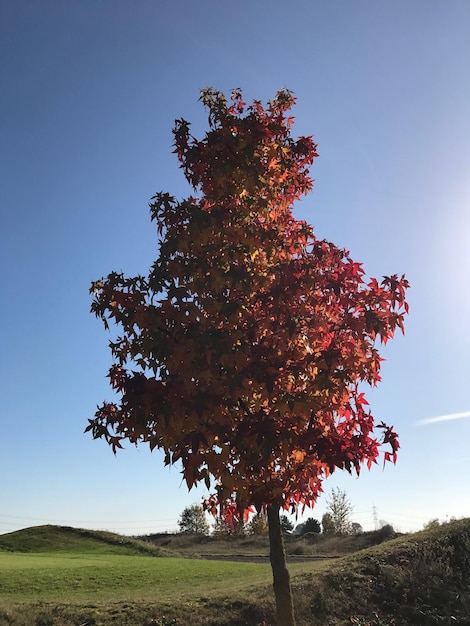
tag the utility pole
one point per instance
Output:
(376, 518)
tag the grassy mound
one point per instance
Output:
(419, 579)
(47, 538)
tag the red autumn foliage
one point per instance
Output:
(250, 338)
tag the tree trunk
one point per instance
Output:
(281, 584)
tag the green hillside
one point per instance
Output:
(421, 579)
(418, 579)
(47, 538)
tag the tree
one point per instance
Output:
(311, 525)
(356, 528)
(193, 520)
(327, 524)
(340, 510)
(232, 529)
(385, 532)
(258, 525)
(286, 525)
(242, 351)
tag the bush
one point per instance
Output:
(433, 523)
(386, 532)
(382, 534)
(311, 526)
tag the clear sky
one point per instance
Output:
(90, 90)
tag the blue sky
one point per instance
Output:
(90, 92)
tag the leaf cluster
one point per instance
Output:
(242, 352)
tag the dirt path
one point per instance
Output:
(245, 558)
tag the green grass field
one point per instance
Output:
(53, 576)
(65, 576)
(47, 576)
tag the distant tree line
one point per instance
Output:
(337, 520)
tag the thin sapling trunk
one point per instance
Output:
(281, 578)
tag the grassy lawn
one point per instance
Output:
(94, 581)
(73, 577)
(51, 576)
(66, 589)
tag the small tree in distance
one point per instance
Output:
(311, 525)
(249, 337)
(258, 525)
(327, 524)
(286, 525)
(193, 520)
(339, 509)
(229, 530)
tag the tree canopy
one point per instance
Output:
(339, 510)
(193, 520)
(311, 525)
(243, 351)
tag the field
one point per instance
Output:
(55, 576)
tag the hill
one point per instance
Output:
(421, 579)
(66, 539)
